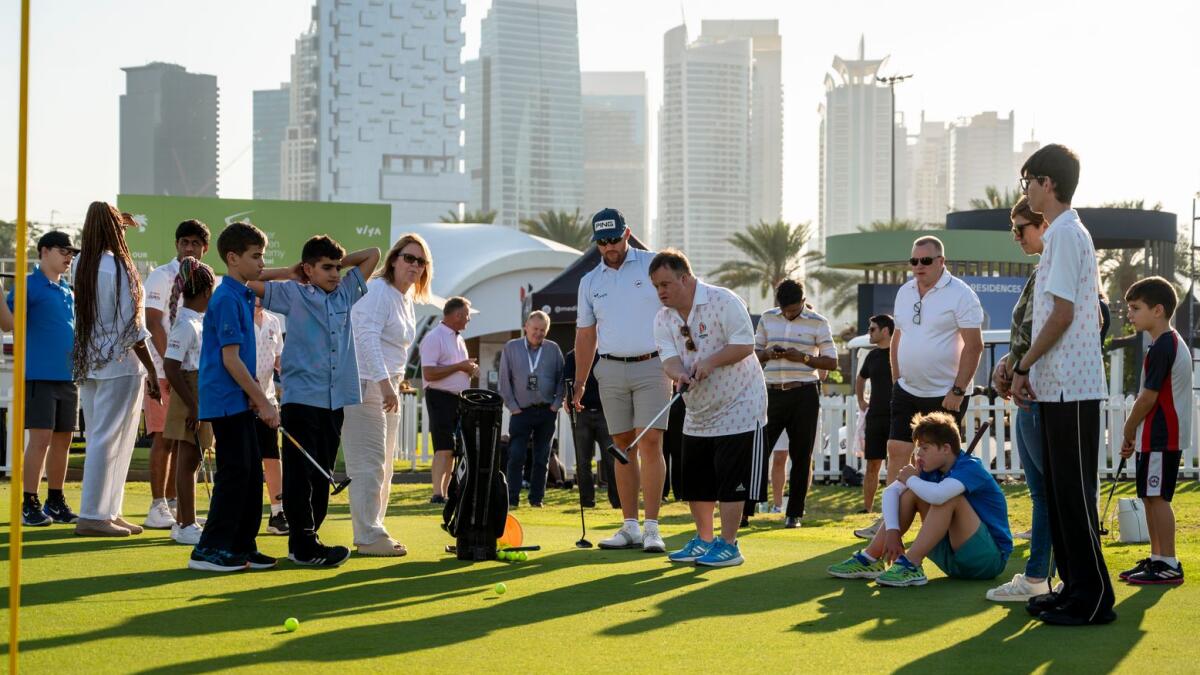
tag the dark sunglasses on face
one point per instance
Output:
(608, 242)
(1019, 230)
(414, 259)
(926, 261)
(687, 335)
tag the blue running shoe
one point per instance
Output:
(721, 555)
(60, 512)
(691, 551)
(213, 560)
(32, 515)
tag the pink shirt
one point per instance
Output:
(443, 346)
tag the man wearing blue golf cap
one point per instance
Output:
(617, 306)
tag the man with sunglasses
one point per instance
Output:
(616, 310)
(1063, 371)
(935, 350)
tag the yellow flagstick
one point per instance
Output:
(18, 402)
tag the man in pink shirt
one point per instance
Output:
(447, 370)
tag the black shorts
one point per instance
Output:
(268, 440)
(905, 406)
(1157, 472)
(875, 433)
(51, 405)
(443, 417)
(723, 468)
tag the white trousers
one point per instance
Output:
(369, 439)
(110, 415)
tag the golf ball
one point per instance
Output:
(522, 556)
(291, 624)
(500, 588)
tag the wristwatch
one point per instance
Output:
(805, 358)
(957, 391)
(1017, 369)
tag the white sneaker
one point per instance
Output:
(629, 536)
(173, 504)
(775, 509)
(189, 535)
(1026, 535)
(160, 517)
(1018, 590)
(652, 542)
(868, 532)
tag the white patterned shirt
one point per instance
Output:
(268, 346)
(809, 333)
(1073, 368)
(733, 399)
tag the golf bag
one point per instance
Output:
(477, 499)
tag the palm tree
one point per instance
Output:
(1120, 267)
(995, 199)
(469, 217)
(770, 254)
(561, 226)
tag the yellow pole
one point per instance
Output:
(18, 402)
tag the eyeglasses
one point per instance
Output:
(414, 259)
(69, 252)
(926, 261)
(608, 242)
(687, 335)
(917, 313)
(1026, 180)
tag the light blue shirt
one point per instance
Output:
(319, 366)
(622, 304)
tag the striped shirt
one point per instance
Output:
(809, 332)
(1168, 370)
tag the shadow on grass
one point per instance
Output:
(56, 540)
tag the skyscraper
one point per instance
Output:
(855, 154)
(298, 153)
(388, 118)
(168, 132)
(616, 146)
(929, 158)
(524, 127)
(981, 154)
(270, 128)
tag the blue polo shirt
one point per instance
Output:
(983, 494)
(49, 327)
(228, 321)
(318, 365)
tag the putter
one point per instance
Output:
(204, 467)
(978, 436)
(619, 454)
(583, 541)
(337, 487)
(1112, 490)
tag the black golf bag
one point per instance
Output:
(477, 499)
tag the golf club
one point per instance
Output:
(583, 541)
(204, 467)
(337, 487)
(1112, 490)
(452, 548)
(619, 454)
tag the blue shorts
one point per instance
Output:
(978, 558)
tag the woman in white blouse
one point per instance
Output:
(384, 328)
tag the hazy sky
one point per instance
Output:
(1116, 81)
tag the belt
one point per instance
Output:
(785, 386)
(629, 359)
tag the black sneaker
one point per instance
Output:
(277, 524)
(1044, 603)
(326, 556)
(437, 499)
(212, 560)
(1139, 567)
(260, 561)
(32, 514)
(1157, 572)
(60, 512)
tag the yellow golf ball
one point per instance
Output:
(522, 556)
(291, 624)
(500, 588)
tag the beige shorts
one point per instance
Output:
(176, 422)
(632, 393)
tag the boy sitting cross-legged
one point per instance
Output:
(964, 517)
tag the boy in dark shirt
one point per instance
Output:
(876, 369)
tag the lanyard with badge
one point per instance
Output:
(532, 383)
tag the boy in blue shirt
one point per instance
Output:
(964, 517)
(320, 377)
(229, 398)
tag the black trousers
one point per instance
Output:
(797, 412)
(235, 513)
(591, 430)
(305, 490)
(673, 448)
(1070, 458)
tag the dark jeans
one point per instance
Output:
(306, 490)
(536, 423)
(796, 411)
(235, 512)
(590, 430)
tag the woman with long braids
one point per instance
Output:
(110, 361)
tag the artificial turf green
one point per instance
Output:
(130, 605)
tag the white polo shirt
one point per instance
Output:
(733, 399)
(621, 303)
(929, 350)
(1073, 369)
(183, 342)
(158, 296)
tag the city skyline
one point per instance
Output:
(1123, 158)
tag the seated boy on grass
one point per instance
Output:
(964, 517)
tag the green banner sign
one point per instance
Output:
(287, 225)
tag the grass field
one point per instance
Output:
(129, 605)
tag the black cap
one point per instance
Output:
(54, 238)
(608, 224)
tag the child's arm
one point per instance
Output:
(1141, 407)
(365, 260)
(237, 370)
(6, 317)
(259, 286)
(174, 373)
